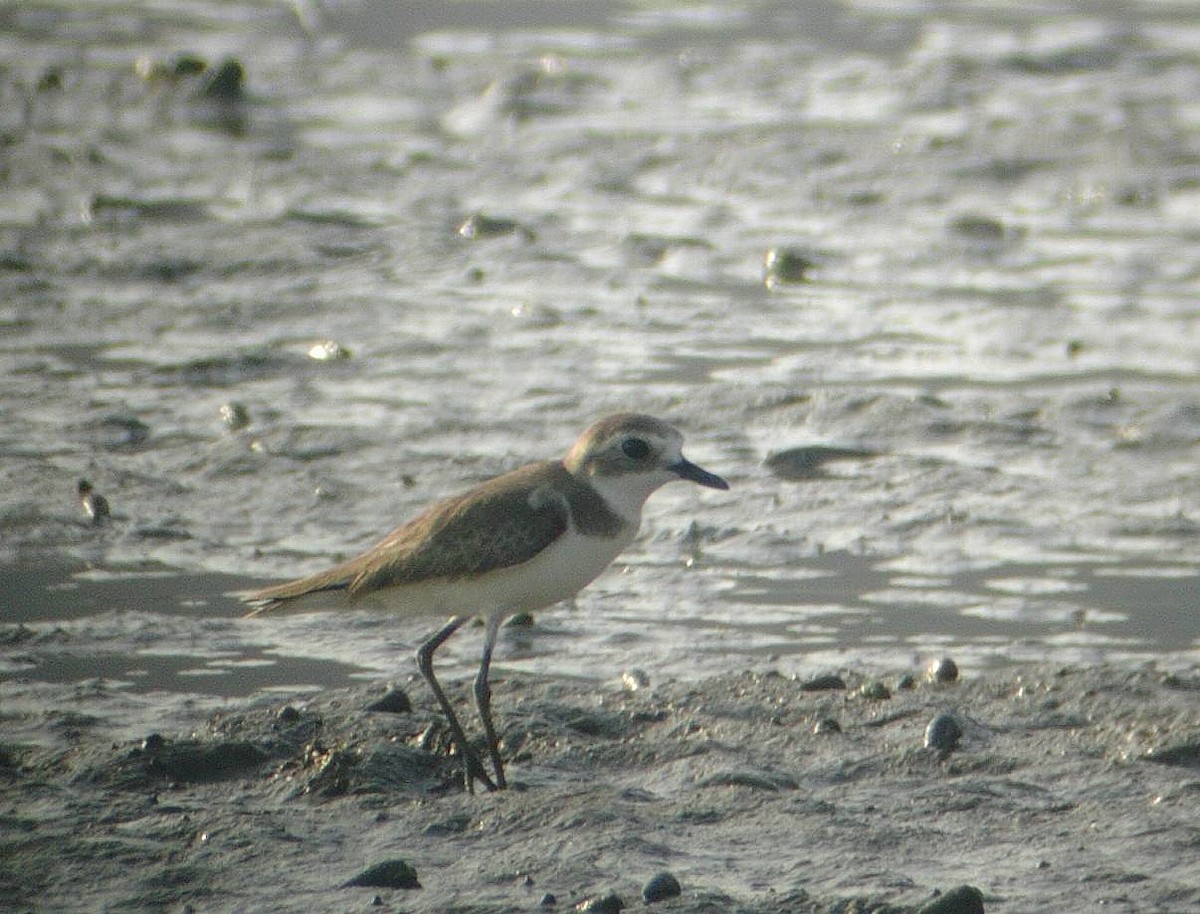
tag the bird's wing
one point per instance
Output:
(505, 521)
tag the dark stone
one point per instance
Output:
(234, 415)
(396, 701)
(966, 899)
(153, 742)
(829, 683)
(943, 734)
(945, 670)
(288, 715)
(601, 904)
(660, 886)
(226, 83)
(826, 726)
(480, 225)
(875, 691)
(982, 229)
(185, 65)
(51, 80)
(786, 265)
(391, 874)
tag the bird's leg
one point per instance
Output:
(483, 699)
(472, 767)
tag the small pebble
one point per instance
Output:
(983, 229)
(633, 680)
(288, 715)
(875, 691)
(153, 742)
(829, 683)
(188, 65)
(943, 734)
(661, 886)
(601, 904)
(944, 670)
(234, 415)
(826, 726)
(907, 682)
(225, 83)
(182, 66)
(51, 80)
(479, 225)
(328, 351)
(520, 620)
(396, 701)
(785, 265)
(548, 900)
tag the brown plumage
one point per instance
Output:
(502, 522)
(521, 541)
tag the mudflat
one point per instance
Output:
(1035, 788)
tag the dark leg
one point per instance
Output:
(472, 767)
(483, 699)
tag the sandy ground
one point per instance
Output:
(967, 414)
(1070, 789)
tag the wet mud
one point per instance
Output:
(919, 279)
(1069, 789)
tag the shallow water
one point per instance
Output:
(512, 226)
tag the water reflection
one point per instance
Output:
(150, 631)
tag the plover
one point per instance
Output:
(516, 543)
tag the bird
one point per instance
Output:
(516, 543)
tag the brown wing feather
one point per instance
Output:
(495, 525)
(505, 521)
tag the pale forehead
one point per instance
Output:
(630, 423)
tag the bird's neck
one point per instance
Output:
(625, 495)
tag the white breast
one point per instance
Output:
(556, 573)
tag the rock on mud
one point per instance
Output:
(660, 887)
(390, 874)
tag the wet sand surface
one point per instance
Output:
(1065, 790)
(921, 282)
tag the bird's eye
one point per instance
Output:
(635, 448)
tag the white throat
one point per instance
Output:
(626, 494)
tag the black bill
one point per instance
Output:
(689, 471)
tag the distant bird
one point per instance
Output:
(95, 505)
(516, 543)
